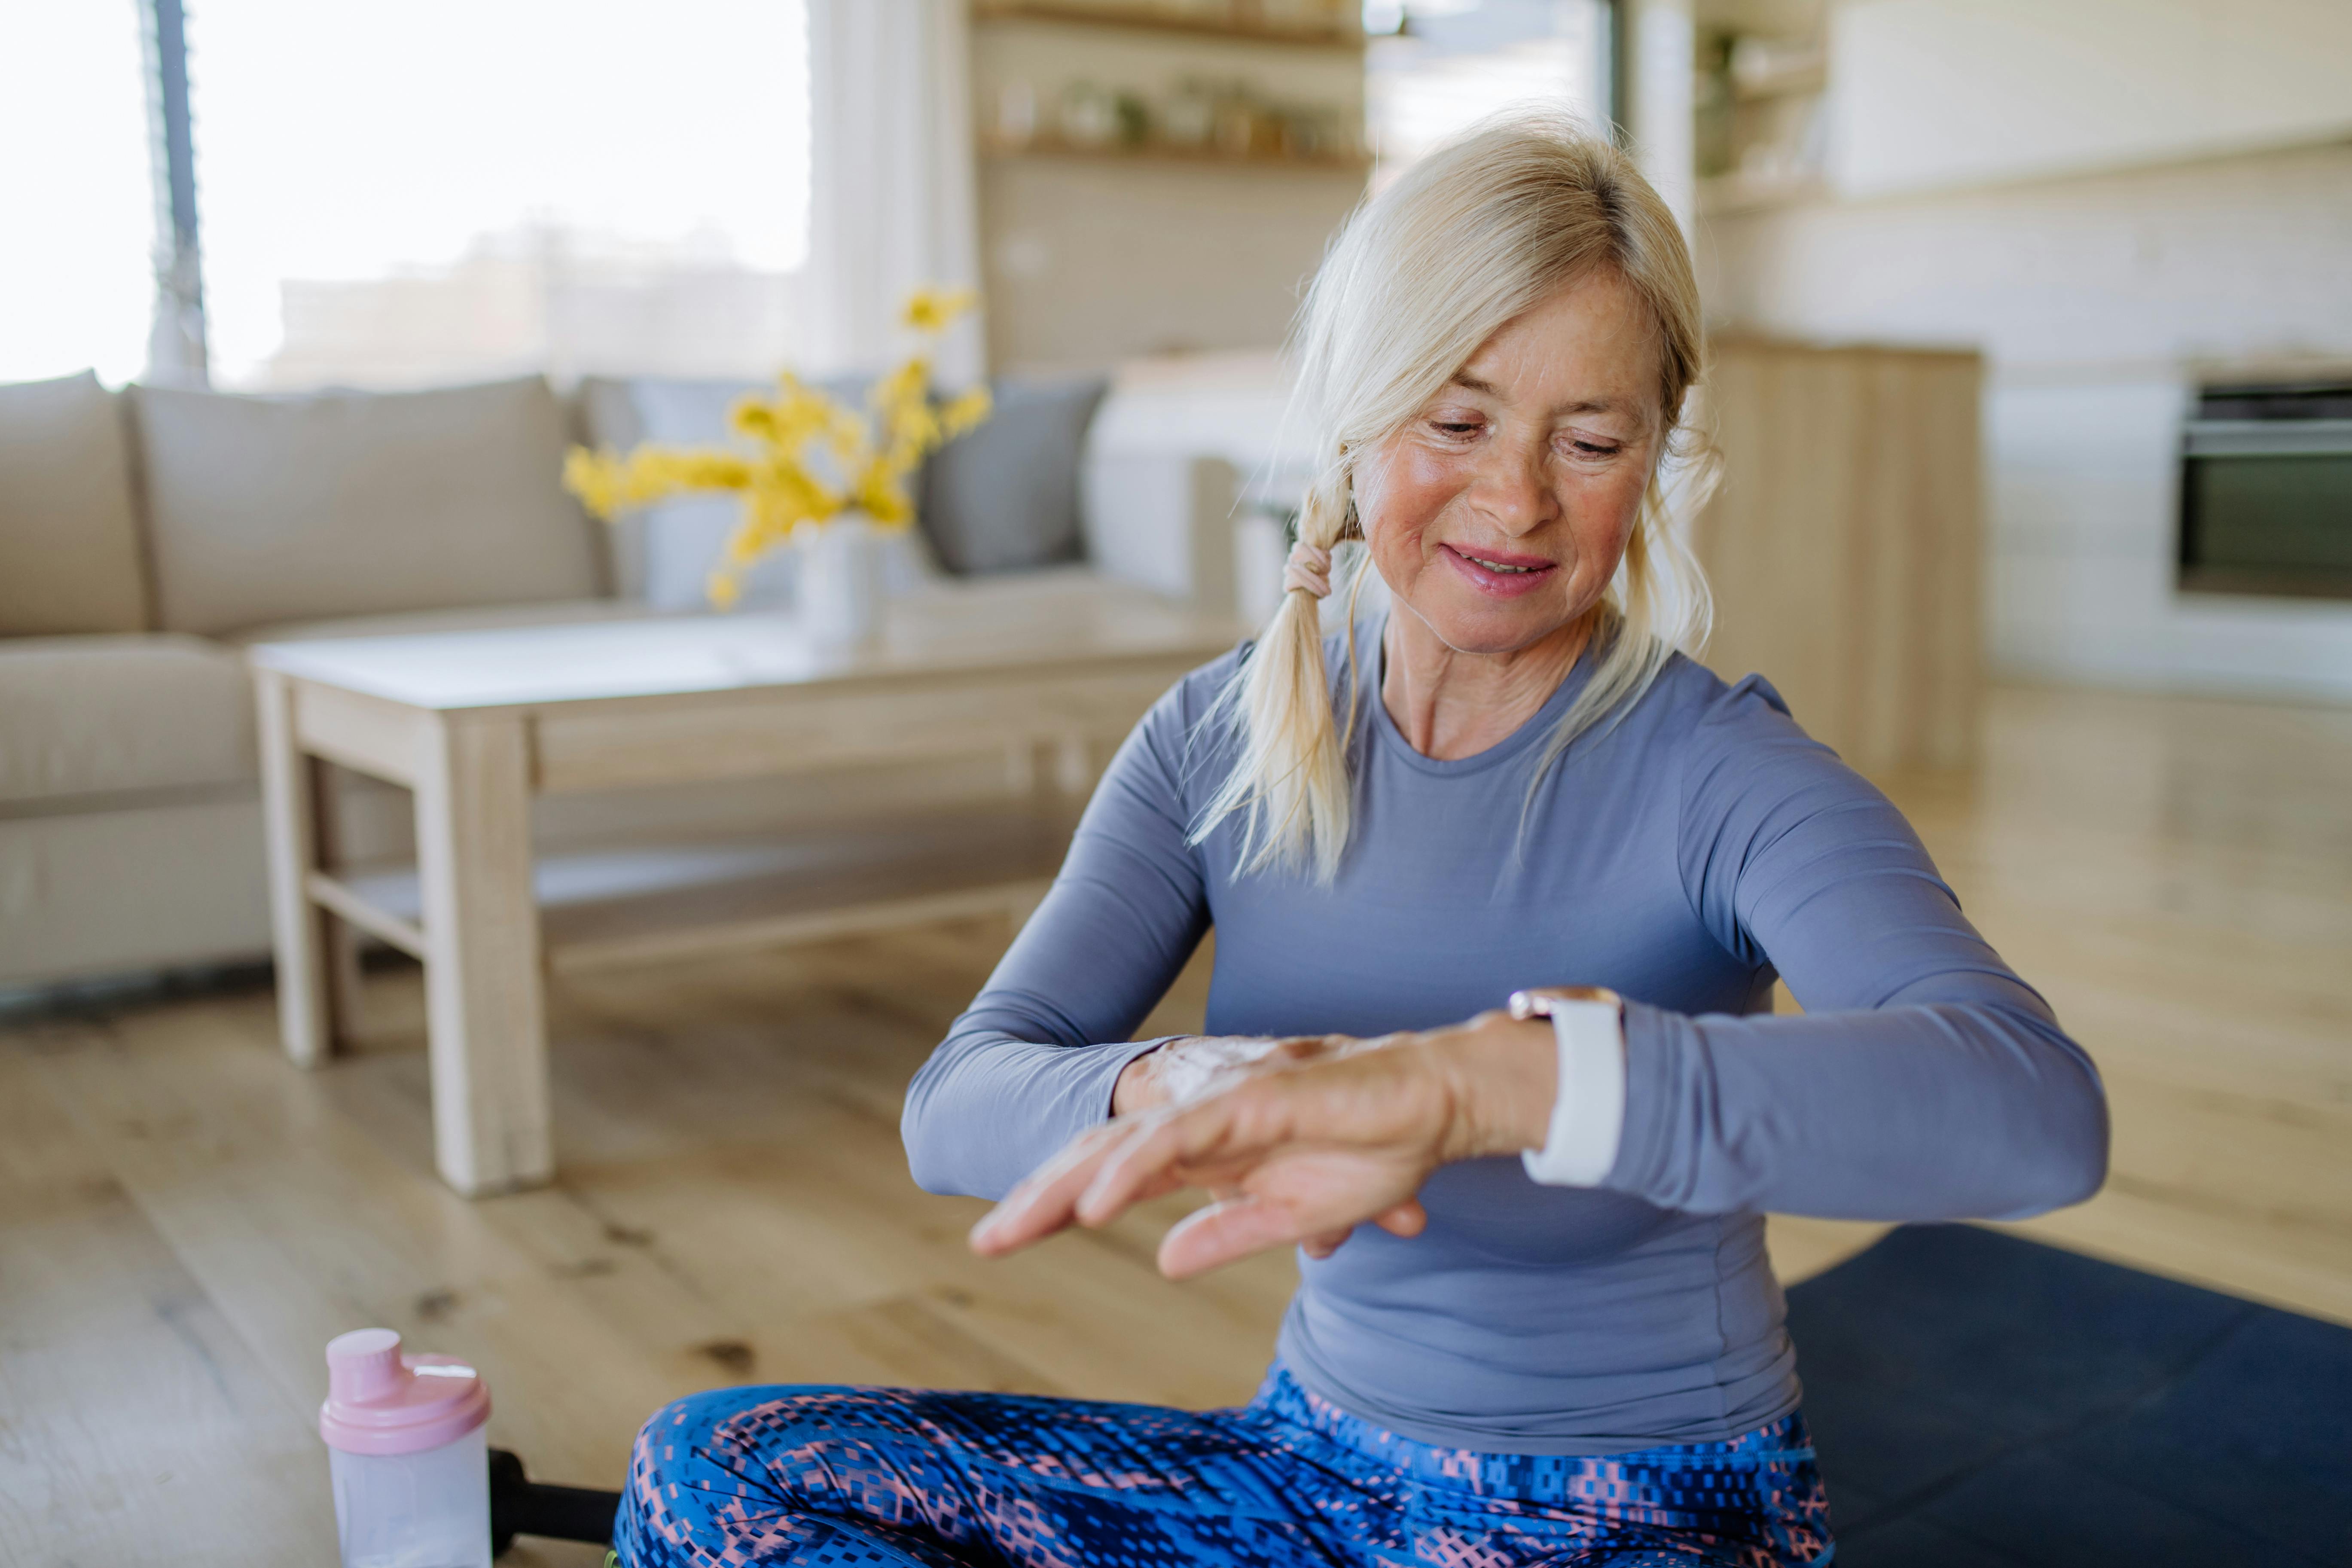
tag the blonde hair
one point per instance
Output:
(1474, 235)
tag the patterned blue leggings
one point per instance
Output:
(912, 1480)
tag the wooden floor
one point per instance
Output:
(184, 1220)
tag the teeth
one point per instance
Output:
(1498, 566)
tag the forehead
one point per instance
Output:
(1590, 343)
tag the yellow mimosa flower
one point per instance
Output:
(870, 456)
(932, 310)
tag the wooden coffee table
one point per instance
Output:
(478, 722)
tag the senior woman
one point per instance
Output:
(1535, 1323)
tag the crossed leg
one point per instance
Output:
(885, 1477)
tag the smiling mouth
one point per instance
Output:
(1501, 579)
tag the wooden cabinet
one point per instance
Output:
(1844, 544)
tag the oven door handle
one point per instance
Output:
(2267, 439)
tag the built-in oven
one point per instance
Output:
(2266, 490)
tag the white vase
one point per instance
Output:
(838, 587)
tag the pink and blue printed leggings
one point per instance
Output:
(898, 1477)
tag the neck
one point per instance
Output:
(1450, 704)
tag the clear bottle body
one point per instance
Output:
(429, 1510)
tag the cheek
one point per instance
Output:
(1606, 519)
(1396, 499)
(1391, 516)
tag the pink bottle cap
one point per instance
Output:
(381, 1402)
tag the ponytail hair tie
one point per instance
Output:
(1309, 570)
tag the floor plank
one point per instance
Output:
(137, 1419)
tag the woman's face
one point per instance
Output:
(1498, 514)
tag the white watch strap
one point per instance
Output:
(1588, 1118)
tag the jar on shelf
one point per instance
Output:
(1310, 132)
(1243, 127)
(1017, 115)
(1188, 117)
(1088, 116)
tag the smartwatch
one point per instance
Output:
(1588, 1115)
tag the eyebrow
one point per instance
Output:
(1585, 406)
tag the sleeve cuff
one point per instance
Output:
(1588, 1116)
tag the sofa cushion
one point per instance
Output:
(345, 503)
(69, 533)
(1005, 497)
(111, 715)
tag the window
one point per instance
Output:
(445, 190)
(77, 273)
(1433, 68)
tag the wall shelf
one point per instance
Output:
(1141, 20)
(1355, 164)
(1784, 84)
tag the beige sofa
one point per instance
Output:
(147, 537)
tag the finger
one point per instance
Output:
(1222, 1234)
(1043, 1201)
(1322, 1246)
(1152, 1152)
(1408, 1219)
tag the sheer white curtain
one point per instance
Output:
(892, 199)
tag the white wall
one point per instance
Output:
(2100, 302)
(1938, 93)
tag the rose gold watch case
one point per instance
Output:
(1537, 1001)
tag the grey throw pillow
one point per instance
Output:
(1005, 497)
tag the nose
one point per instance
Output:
(1512, 488)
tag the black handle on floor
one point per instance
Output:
(520, 1506)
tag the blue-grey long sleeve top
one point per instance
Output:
(1684, 856)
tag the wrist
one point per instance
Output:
(1138, 1086)
(1503, 1074)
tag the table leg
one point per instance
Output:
(484, 1006)
(332, 850)
(298, 926)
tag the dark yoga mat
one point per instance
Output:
(1983, 1402)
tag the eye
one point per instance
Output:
(1586, 449)
(1458, 429)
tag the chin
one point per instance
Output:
(1482, 626)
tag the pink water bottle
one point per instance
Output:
(408, 1440)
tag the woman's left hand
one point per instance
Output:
(1301, 1153)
